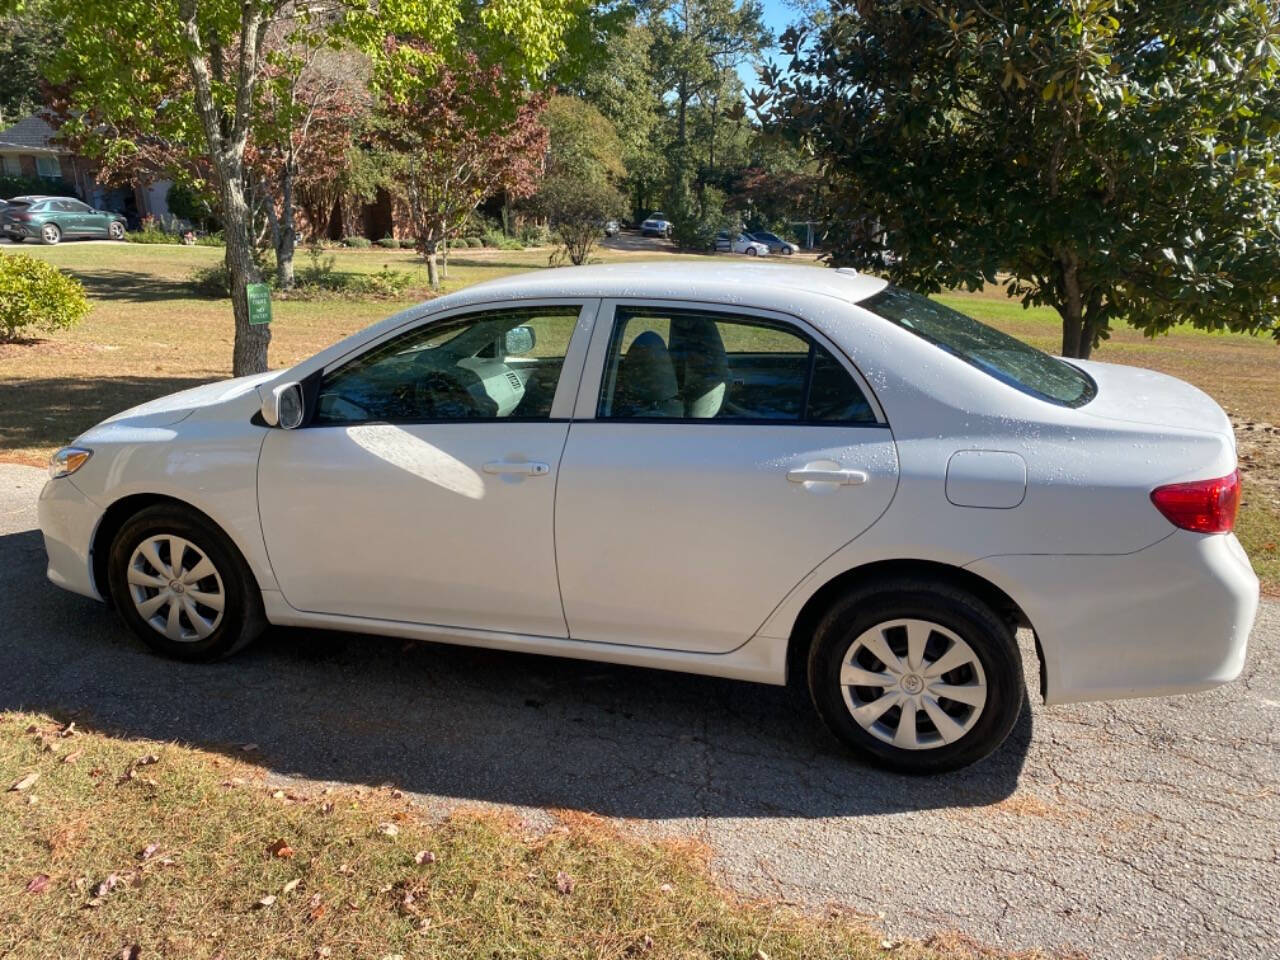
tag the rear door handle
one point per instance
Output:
(814, 475)
(524, 468)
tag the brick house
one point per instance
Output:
(30, 149)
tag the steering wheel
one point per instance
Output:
(438, 394)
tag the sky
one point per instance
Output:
(777, 17)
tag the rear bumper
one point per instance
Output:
(68, 520)
(1173, 618)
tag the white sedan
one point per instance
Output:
(740, 243)
(764, 473)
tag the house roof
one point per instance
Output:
(31, 135)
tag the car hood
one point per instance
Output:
(1143, 396)
(175, 407)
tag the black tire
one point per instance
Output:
(989, 637)
(242, 618)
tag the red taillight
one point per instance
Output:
(1204, 506)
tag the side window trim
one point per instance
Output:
(570, 373)
(590, 389)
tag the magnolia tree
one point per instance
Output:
(453, 136)
(1116, 160)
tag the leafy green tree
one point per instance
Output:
(1116, 159)
(188, 75)
(697, 45)
(27, 38)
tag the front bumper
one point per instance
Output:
(1173, 618)
(68, 520)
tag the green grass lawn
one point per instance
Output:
(149, 334)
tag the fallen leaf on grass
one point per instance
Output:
(149, 851)
(32, 729)
(68, 730)
(280, 849)
(565, 883)
(292, 885)
(424, 856)
(106, 886)
(26, 783)
(315, 907)
(267, 901)
(131, 952)
(388, 829)
(39, 883)
(73, 756)
(132, 772)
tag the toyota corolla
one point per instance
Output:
(765, 473)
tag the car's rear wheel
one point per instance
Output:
(916, 676)
(50, 233)
(116, 230)
(182, 586)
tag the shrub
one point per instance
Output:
(407, 243)
(211, 281)
(151, 232)
(391, 243)
(535, 235)
(211, 240)
(18, 186)
(472, 242)
(37, 295)
(192, 205)
(358, 243)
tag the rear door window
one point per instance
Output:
(709, 366)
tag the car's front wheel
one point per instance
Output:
(916, 676)
(51, 233)
(182, 586)
(115, 231)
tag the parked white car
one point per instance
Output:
(727, 242)
(656, 225)
(749, 471)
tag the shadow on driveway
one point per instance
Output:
(460, 723)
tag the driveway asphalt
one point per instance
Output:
(1136, 829)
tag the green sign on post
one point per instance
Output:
(259, 302)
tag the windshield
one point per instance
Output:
(1006, 358)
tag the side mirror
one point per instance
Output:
(284, 407)
(519, 341)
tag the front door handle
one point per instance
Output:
(821, 475)
(524, 468)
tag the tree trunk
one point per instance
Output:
(1077, 336)
(249, 355)
(287, 237)
(433, 270)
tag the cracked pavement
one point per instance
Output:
(1135, 829)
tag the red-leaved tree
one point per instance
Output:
(455, 135)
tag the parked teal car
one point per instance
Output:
(51, 219)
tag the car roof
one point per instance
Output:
(762, 284)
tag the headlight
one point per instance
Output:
(67, 461)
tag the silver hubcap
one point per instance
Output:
(51, 233)
(913, 684)
(116, 231)
(176, 588)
